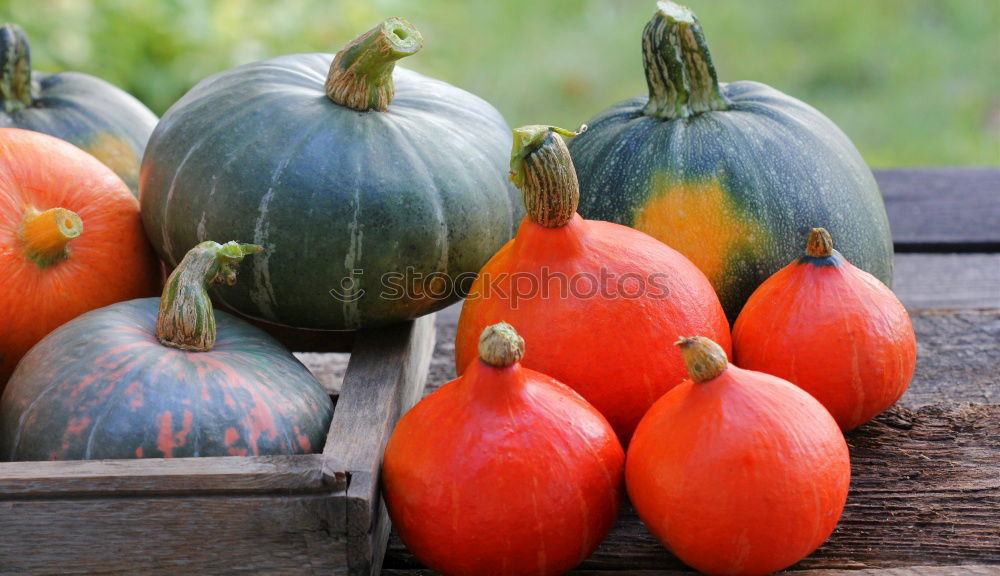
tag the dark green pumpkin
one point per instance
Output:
(166, 377)
(85, 111)
(731, 175)
(370, 212)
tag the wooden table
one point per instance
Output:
(925, 486)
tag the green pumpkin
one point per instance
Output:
(85, 111)
(163, 378)
(733, 176)
(377, 192)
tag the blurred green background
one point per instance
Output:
(912, 82)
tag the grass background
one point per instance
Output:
(912, 82)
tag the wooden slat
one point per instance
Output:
(274, 534)
(947, 281)
(159, 477)
(958, 358)
(384, 378)
(925, 490)
(943, 209)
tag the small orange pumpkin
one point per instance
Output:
(832, 329)
(503, 470)
(71, 240)
(624, 291)
(737, 472)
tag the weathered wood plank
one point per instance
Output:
(384, 378)
(947, 281)
(943, 209)
(273, 534)
(964, 570)
(925, 490)
(159, 477)
(958, 357)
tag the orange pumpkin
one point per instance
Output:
(597, 299)
(71, 240)
(503, 470)
(737, 472)
(833, 329)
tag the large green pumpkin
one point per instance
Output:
(377, 192)
(162, 378)
(85, 111)
(731, 175)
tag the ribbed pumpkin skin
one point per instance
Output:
(737, 190)
(616, 351)
(109, 262)
(259, 152)
(832, 330)
(101, 386)
(505, 472)
(744, 474)
(91, 114)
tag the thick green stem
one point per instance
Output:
(361, 73)
(820, 244)
(186, 319)
(45, 236)
(15, 69)
(703, 358)
(679, 72)
(500, 345)
(540, 165)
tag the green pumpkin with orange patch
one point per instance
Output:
(85, 111)
(162, 378)
(733, 176)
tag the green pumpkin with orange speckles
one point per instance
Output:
(733, 176)
(163, 378)
(83, 110)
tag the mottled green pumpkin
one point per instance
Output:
(377, 192)
(731, 175)
(85, 111)
(162, 378)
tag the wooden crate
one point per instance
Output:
(317, 513)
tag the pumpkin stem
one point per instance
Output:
(361, 73)
(500, 345)
(186, 319)
(679, 72)
(820, 244)
(540, 165)
(16, 91)
(46, 235)
(703, 358)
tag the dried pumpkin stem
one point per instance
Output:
(540, 165)
(186, 319)
(360, 76)
(820, 244)
(45, 236)
(15, 69)
(703, 358)
(500, 345)
(679, 72)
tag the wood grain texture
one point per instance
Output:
(384, 378)
(947, 281)
(925, 489)
(190, 535)
(161, 477)
(943, 209)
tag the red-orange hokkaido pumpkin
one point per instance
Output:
(502, 471)
(737, 472)
(832, 329)
(596, 299)
(70, 240)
